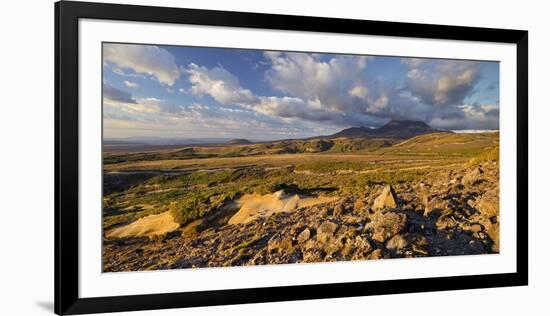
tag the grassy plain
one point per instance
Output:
(194, 181)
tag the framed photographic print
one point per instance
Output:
(208, 157)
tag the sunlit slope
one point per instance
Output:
(447, 143)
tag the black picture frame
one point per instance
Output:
(67, 15)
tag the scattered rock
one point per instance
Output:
(339, 210)
(472, 176)
(326, 231)
(435, 204)
(487, 205)
(445, 214)
(475, 228)
(386, 225)
(359, 205)
(419, 250)
(362, 244)
(334, 246)
(304, 235)
(279, 244)
(445, 222)
(386, 199)
(375, 255)
(397, 242)
(313, 256)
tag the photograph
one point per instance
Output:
(222, 157)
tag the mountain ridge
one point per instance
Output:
(402, 129)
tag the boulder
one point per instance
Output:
(324, 212)
(339, 210)
(386, 225)
(335, 245)
(304, 235)
(356, 248)
(445, 222)
(397, 242)
(493, 231)
(386, 199)
(292, 203)
(475, 228)
(313, 256)
(376, 254)
(472, 177)
(361, 244)
(487, 205)
(326, 231)
(279, 244)
(434, 204)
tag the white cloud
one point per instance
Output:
(337, 92)
(232, 110)
(359, 91)
(131, 84)
(308, 77)
(198, 106)
(318, 96)
(219, 83)
(143, 59)
(489, 108)
(379, 104)
(450, 85)
(441, 83)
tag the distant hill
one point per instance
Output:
(354, 132)
(163, 141)
(404, 129)
(238, 141)
(393, 129)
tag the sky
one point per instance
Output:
(182, 92)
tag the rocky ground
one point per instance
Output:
(452, 212)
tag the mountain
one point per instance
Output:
(404, 129)
(238, 141)
(393, 129)
(354, 132)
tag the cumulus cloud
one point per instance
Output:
(311, 94)
(441, 83)
(143, 59)
(311, 79)
(337, 92)
(315, 96)
(219, 83)
(359, 91)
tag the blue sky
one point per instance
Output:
(194, 92)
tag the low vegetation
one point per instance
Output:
(199, 183)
